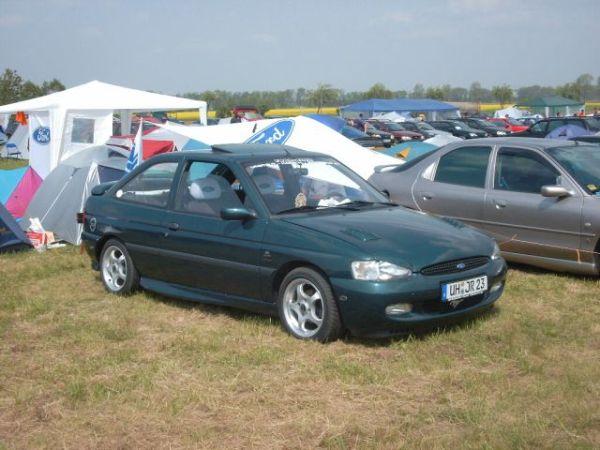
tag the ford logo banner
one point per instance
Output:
(41, 135)
(277, 133)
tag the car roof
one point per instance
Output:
(239, 152)
(508, 141)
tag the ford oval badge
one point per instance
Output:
(277, 133)
(41, 135)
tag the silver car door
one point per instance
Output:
(455, 185)
(520, 218)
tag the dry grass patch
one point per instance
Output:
(80, 368)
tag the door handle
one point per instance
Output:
(500, 203)
(173, 226)
(426, 195)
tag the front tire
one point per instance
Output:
(307, 307)
(119, 275)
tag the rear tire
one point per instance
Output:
(307, 306)
(119, 275)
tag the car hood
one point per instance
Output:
(399, 235)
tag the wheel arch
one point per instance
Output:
(286, 268)
(102, 241)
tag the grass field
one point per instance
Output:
(80, 368)
(12, 163)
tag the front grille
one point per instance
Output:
(438, 307)
(459, 265)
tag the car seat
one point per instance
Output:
(267, 185)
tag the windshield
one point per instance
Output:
(313, 183)
(424, 126)
(352, 133)
(487, 123)
(582, 162)
(593, 123)
(395, 127)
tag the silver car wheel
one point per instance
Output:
(303, 308)
(114, 268)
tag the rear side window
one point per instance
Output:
(150, 187)
(466, 166)
(520, 170)
(539, 127)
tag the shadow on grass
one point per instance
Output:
(266, 320)
(424, 332)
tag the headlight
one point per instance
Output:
(501, 133)
(473, 134)
(496, 252)
(378, 271)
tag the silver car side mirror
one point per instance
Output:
(555, 191)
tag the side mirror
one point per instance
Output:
(242, 214)
(555, 191)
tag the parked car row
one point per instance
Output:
(283, 231)
(539, 198)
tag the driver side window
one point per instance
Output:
(520, 170)
(206, 188)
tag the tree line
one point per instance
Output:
(584, 88)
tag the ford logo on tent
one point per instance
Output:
(277, 133)
(41, 135)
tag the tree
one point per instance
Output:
(10, 87)
(378, 90)
(49, 87)
(435, 93)
(583, 84)
(418, 91)
(323, 95)
(503, 94)
(30, 90)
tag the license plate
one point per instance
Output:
(464, 288)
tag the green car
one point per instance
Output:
(275, 229)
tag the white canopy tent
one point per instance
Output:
(65, 122)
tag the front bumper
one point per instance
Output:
(362, 304)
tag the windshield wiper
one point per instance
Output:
(297, 209)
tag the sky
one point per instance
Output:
(176, 46)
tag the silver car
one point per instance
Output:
(539, 198)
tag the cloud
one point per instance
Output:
(392, 18)
(265, 38)
(11, 20)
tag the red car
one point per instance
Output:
(509, 124)
(397, 130)
(248, 113)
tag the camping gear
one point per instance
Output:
(440, 140)
(409, 150)
(550, 105)
(18, 144)
(12, 238)
(368, 108)
(513, 113)
(9, 179)
(568, 132)
(300, 132)
(64, 191)
(23, 192)
(66, 122)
